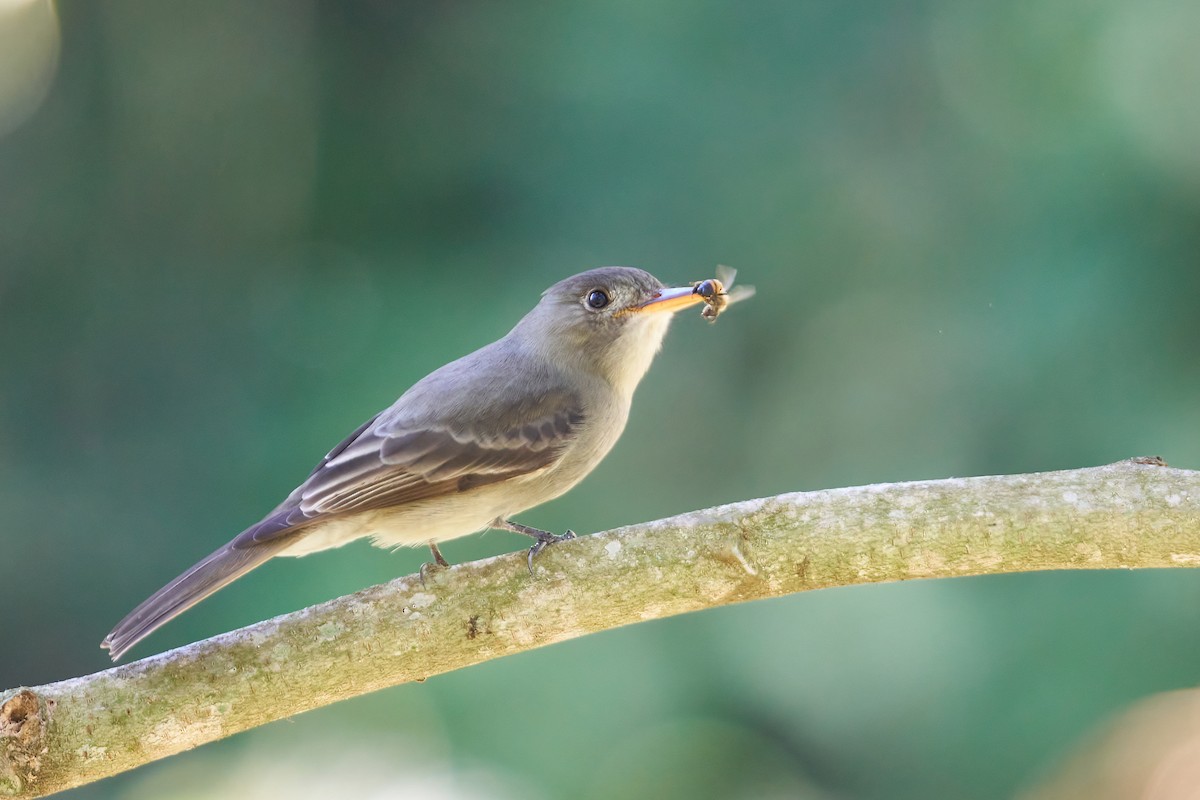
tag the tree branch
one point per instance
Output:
(1132, 514)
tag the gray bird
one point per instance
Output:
(498, 431)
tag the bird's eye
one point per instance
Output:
(597, 298)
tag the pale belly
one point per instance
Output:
(417, 524)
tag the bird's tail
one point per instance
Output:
(217, 570)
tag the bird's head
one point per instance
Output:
(608, 321)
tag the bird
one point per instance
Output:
(505, 428)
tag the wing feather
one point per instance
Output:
(389, 462)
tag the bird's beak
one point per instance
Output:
(670, 300)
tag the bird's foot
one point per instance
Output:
(544, 541)
(544, 538)
(439, 562)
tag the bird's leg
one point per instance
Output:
(544, 538)
(437, 557)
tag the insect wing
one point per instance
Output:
(739, 294)
(726, 275)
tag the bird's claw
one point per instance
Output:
(544, 540)
(428, 565)
(439, 561)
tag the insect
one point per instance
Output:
(718, 292)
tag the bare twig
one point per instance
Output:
(1132, 514)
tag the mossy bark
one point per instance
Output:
(1132, 514)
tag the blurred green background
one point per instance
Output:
(230, 232)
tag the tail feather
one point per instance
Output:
(214, 572)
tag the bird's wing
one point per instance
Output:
(389, 462)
